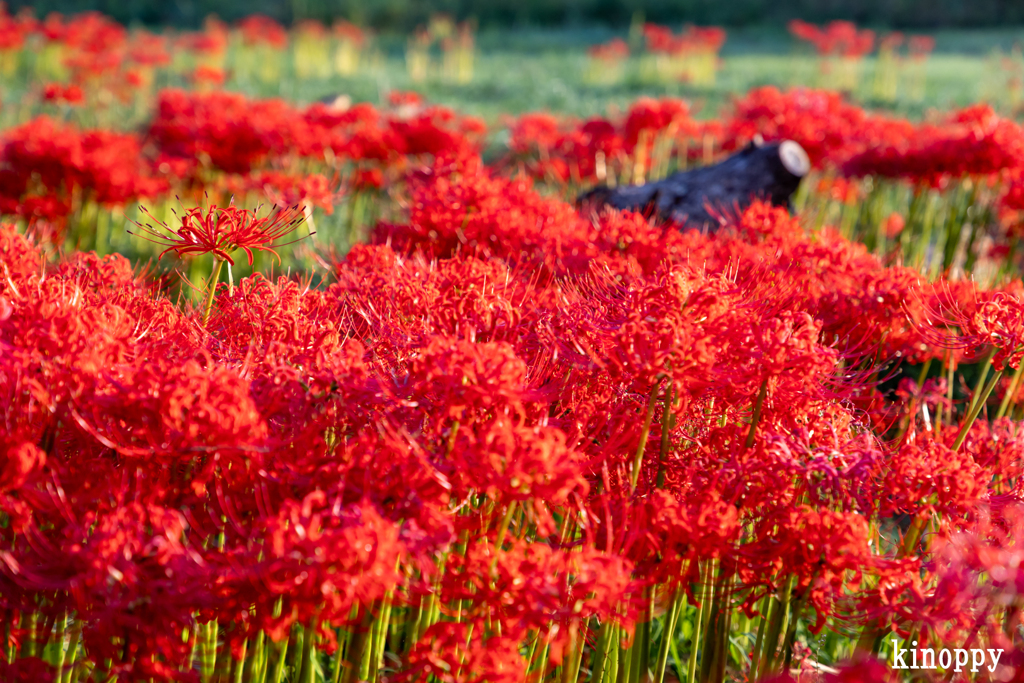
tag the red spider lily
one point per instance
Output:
(71, 94)
(45, 163)
(920, 46)
(220, 231)
(208, 75)
(345, 30)
(692, 39)
(615, 50)
(972, 142)
(839, 37)
(258, 29)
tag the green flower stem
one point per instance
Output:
(62, 625)
(642, 446)
(667, 423)
(766, 606)
(254, 656)
(76, 634)
(306, 664)
(702, 612)
(668, 635)
(277, 675)
(776, 627)
(214, 277)
(602, 652)
(238, 665)
(756, 417)
(1011, 391)
(986, 365)
(976, 410)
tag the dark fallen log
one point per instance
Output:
(768, 171)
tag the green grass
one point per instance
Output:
(518, 71)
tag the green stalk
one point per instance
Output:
(675, 657)
(544, 656)
(61, 633)
(412, 628)
(187, 636)
(602, 652)
(768, 604)
(531, 658)
(667, 424)
(702, 612)
(339, 656)
(612, 674)
(626, 662)
(668, 635)
(238, 665)
(355, 656)
(381, 637)
(277, 676)
(571, 669)
(304, 666)
(976, 410)
(76, 634)
(756, 417)
(214, 277)
(28, 648)
(714, 631)
(102, 232)
(8, 642)
(791, 633)
(638, 458)
(253, 658)
(637, 652)
(725, 628)
(927, 230)
(775, 628)
(503, 530)
(641, 658)
(222, 659)
(1011, 391)
(208, 654)
(980, 383)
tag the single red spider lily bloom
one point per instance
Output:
(220, 231)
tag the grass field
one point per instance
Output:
(522, 70)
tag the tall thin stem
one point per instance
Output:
(756, 417)
(976, 409)
(642, 446)
(1011, 391)
(212, 286)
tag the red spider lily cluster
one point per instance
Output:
(690, 56)
(89, 57)
(615, 50)
(505, 442)
(91, 51)
(221, 144)
(502, 440)
(840, 137)
(661, 39)
(839, 38)
(48, 166)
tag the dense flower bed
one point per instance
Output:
(500, 439)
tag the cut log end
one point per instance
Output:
(794, 158)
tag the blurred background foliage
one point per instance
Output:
(404, 15)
